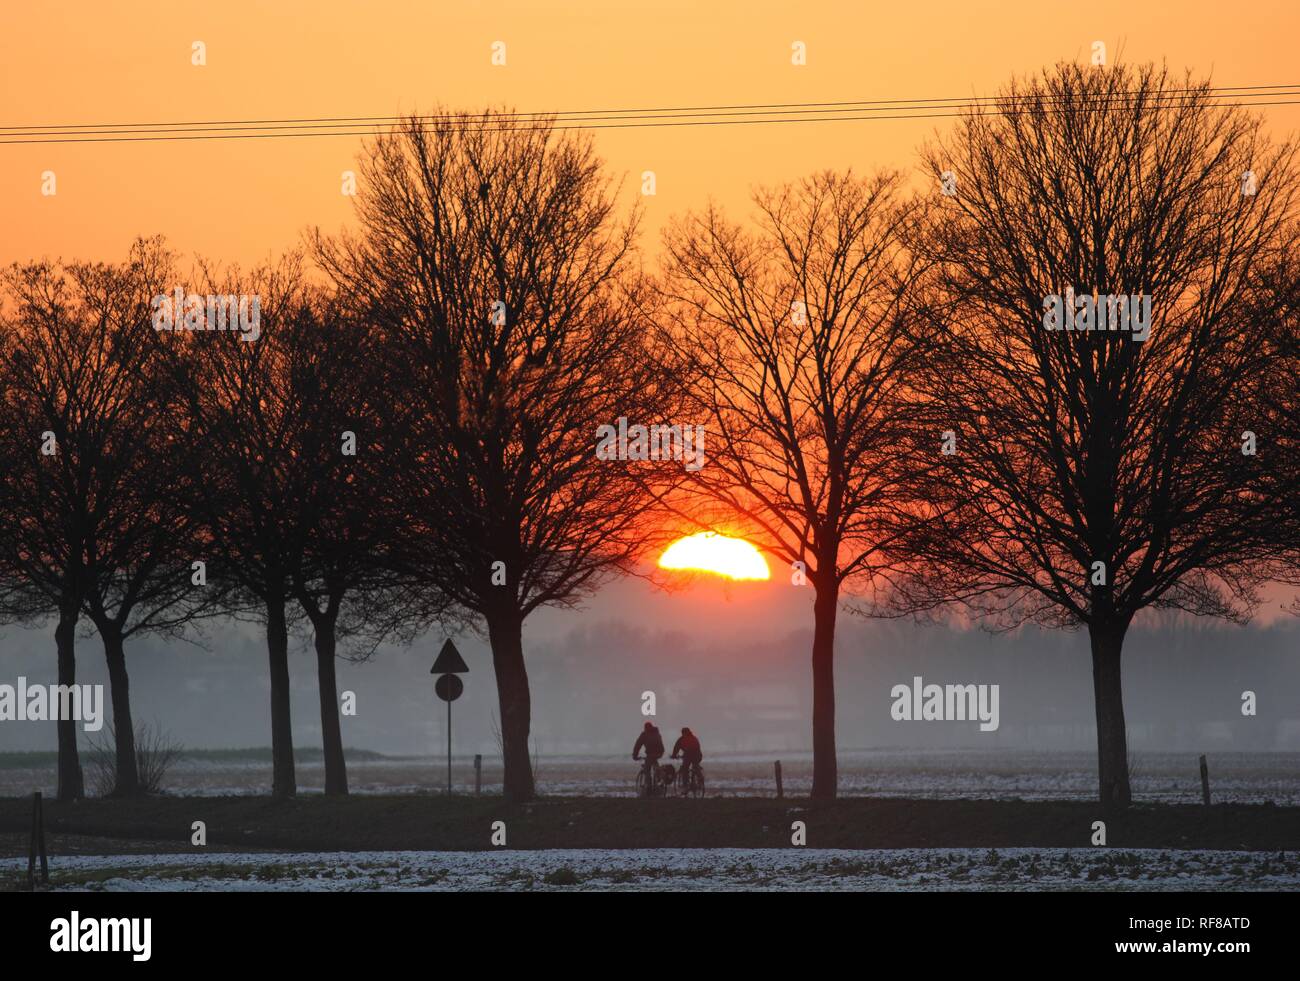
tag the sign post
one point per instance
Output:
(448, 687)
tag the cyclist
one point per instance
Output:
(688, 748)
(653, 743)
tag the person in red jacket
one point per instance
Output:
(688, 748)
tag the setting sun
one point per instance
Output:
(708, 551)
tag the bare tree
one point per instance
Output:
(77, 402)
(239, 429)
(346, 523)
(142, 539)
(43, 539)
(1275, 407)
(1098, 473)
(802, 344)
(491, 259)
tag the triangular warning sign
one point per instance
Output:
(449, 661)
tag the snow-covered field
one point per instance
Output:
(721, 869)
(1000, 775)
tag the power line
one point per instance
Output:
(730, 115)
(343, 122)
(593, 113)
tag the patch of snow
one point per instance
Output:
(712, 869)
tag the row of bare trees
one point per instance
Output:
(410, 440)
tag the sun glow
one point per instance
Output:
(707, 551)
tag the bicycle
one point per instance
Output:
(649, 780)
(691, 780)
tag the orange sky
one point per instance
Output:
(94, 62)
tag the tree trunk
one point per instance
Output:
(283, 781)
(505, 633)
(825, 783)
(336, 771)
(1112, 737)
(71, 786)
(127, 776)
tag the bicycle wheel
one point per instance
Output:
(642, 790)
(697, 783)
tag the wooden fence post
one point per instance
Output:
(1205, 781)
(780, 791)
(37, 844)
